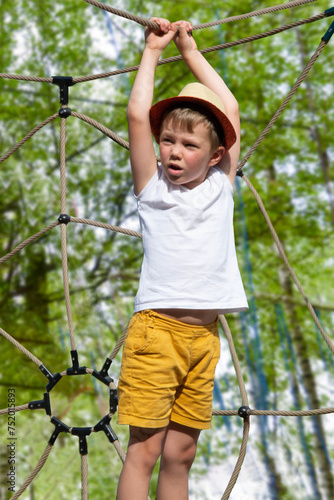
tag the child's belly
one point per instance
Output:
(190, 316)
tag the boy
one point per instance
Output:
(189, 273)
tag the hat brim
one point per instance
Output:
(158, 110)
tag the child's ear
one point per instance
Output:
(217, 156)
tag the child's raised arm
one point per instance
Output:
(142, 155)
(206, 75)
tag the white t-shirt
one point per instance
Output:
(189, 252)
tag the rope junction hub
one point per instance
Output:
(243, 412)
(81, 432)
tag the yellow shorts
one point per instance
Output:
(167, 372)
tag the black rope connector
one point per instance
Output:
(59, 427)
(243, 412)
(240, 172)
(63, 83)
(64, 219)
(110, 434)
(76, 369)
(328, 35)
(82, 432)
(41, 404)
(329, 12)
(53, 378)
(65, 112)
(104, 425)
(102, 375)
(113, 401)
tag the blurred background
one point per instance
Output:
(285, 362)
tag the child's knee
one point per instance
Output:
(145, 445)
(179, 455)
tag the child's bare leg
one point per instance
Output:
(143, 451)
(178, 454)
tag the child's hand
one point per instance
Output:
(159, 39)
(183, 38)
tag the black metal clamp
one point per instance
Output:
(243, 412)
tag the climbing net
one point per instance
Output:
(104, 425)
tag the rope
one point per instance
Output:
(235, 359)
(116, 229)
(276, 413)
(28, 241)
(102, 129)
(19, 346)
(84, 477)
(294, 89)
(222, 46)
(63, 232)
(152, 25)
(16, 408)
(179, 58)
(25, 78)
(286, 261)
(34, 473)
(121, 453)
(119, 344)
(28, 136)
(239, 462)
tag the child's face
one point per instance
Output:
(187, 156)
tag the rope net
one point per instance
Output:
(104, 425)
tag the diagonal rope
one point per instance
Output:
(179, 58)
(34, 473)
(235, 359)
(207, 50)
(293, 90)
(287, 263)
(28, 241)
(28, 136)
(116, 229)
(20, 346)
(106, 131)
(119, 344)
(152, 25)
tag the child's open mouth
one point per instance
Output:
(174, 169)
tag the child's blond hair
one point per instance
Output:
(186, 119)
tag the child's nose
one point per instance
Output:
(176, 151)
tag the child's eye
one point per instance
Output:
(190, 145)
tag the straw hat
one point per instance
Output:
(198, 94)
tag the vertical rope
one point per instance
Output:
(63, 231)
(84, 477)
(62, 165)
(240, 461)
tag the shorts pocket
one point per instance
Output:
(145, 340)
(141, 335)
